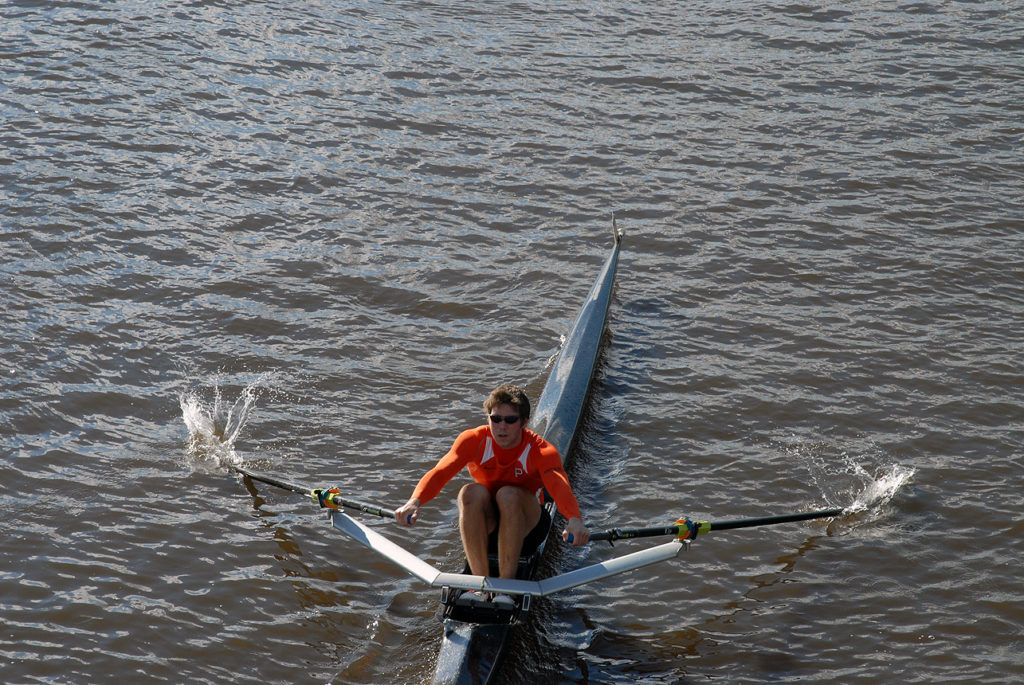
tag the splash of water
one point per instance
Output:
(213, 428)
(859, 484)
(881, 488)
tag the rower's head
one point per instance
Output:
(511, 395)
(508, 410)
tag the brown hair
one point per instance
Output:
(509, 394)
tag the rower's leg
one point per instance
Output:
(476, 521)
(519, 512)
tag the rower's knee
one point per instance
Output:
(474, 496)
(513, 500)
(506, 498)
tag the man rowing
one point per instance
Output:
(511, 467)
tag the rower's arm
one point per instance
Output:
(436, 478)
(556, 482)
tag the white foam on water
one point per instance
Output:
(881, 488)
(214, 426)
(859, 483)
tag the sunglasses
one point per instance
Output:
(496, 419)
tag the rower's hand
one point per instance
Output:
(575, 532)
(408, 512)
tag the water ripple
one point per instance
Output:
(321, 232)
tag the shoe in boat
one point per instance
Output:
(473, 598)
(503, 602)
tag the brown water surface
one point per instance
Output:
(348, 221)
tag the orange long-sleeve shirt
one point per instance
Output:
(533, 465)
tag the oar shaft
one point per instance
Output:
(365, 508)
(686, 528)
(329, 496)
(772, 520)
(270, 480)
(619, 534)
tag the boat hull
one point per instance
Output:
(471, 652)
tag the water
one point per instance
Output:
(311, 237)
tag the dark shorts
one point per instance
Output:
(532, 540)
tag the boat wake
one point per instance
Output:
(214, 425)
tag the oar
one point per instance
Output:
(685, 529)
(329, 498)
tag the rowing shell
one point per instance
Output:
(474, 638)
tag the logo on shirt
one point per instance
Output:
(520, 470)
